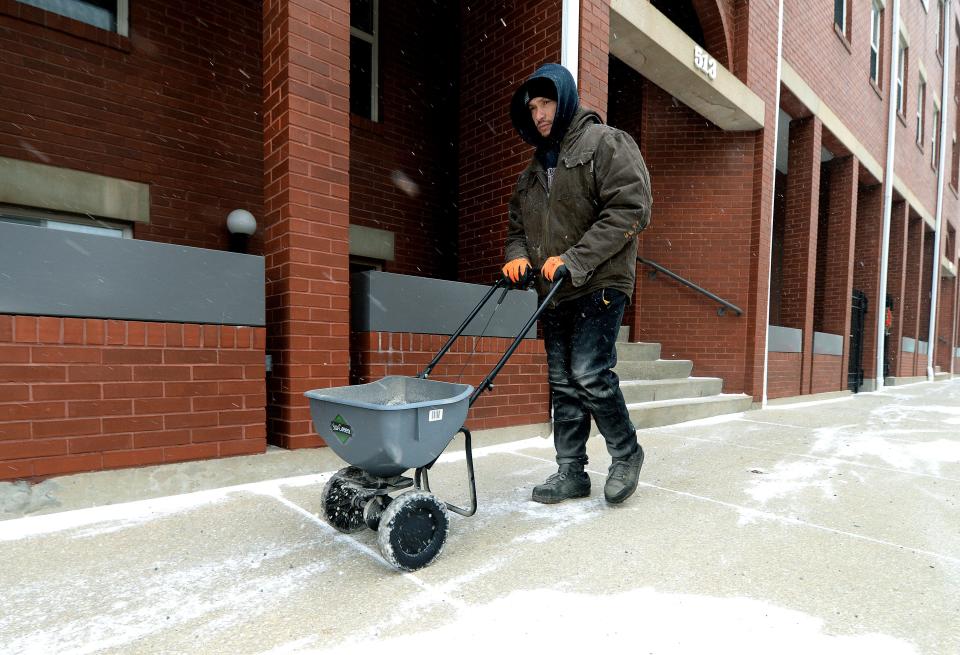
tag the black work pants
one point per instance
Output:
(580, 337)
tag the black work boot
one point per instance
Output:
(623, 476)
(569, 482)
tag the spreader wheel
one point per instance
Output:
(341, 501)
(413, 529)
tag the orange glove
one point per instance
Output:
(550, 267)
(516, 269)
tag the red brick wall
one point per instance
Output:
(415, 140)
(783, 375)
(837, 72)
(701, 180)
(829, 373)
(520, 395)
(501, 45)
(84, 395)
(175, 106)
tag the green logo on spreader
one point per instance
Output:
(341, 430)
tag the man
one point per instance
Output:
(579, 204)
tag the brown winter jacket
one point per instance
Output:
(599, 201)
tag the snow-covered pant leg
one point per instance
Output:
(580, 338)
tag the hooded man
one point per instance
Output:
(580, 203)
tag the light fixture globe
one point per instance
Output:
(240, 221)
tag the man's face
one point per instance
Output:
(542, 111)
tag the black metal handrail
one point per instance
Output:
(724, 305)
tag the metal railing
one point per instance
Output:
(724, 305)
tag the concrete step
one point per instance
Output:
(659, 369)
(893, 381)
(624, 334)
(637, 352)
(941, 376)
(641, 391)
(668, 412)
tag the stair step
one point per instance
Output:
(641, 391)
(938, 377)
(668, 412)
(637, 352)
(659, 369)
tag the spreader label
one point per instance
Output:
(435, 415)
(341, 429)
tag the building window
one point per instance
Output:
(901, 79)
(364, 56)
(110, 15)
(841, 17)
(876, 15)
(921, 114)
(935, 136)
(63, 221)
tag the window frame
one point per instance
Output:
(935, 134)
(941, 16)
(921, 117)
(374, 40)
(844, 29)
(123, 17)
(901, 85)
(41, 216)
(876, 41)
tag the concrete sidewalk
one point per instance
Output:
(830, 526)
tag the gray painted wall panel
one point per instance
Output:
(785, 340)
(908, 345)
(825, 343)
(51, 273)
(388, 302)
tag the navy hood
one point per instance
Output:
(567, 104)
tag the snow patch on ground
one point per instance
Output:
(547, 620)
(170, 599)
(789, 478)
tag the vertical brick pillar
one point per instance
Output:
(592, 77)
(947, 297)
(896, 277)
(306, 192)
(911, 293)
(754, 62)
(800, 235)
(841, 228)
(866, 270)
(926, 290)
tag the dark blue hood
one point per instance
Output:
(567, 104)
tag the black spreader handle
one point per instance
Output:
(487, 383)
(453, 337)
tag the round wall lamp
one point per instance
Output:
(241, 224)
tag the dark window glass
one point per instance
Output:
(99, 13)
(361, 15)
(838, 17)
(361, 77)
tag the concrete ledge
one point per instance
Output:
(62, 189)
(651, 44)
(900, 381)
(826, 395)
(81, 490)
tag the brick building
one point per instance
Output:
(374, 136)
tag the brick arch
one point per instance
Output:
(716, 23)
